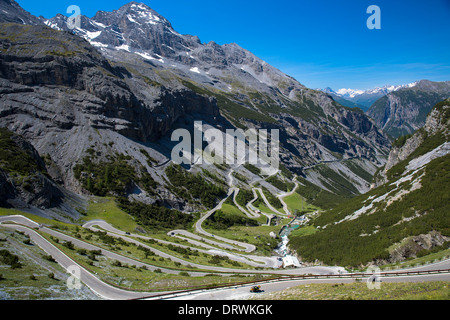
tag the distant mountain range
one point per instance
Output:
(398, 110)
(363, 98)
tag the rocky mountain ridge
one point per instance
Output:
(107, 89)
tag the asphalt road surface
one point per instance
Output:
(243, 292)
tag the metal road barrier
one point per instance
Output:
(291, 278)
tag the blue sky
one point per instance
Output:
(320, 43)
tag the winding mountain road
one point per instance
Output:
(107, 291)
(282, 196)
(202, 239)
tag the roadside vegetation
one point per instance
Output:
(280, 184)
(244, 196)
(227, 217)
(273, 200)
(28, 273)
(438, 290)
(423, 258)
(107, 209)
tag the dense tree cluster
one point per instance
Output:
(400, 142)
(222, 221)
(282, 185)
(115, 176)
(13, 158)
(156, 217)
(244, 196)
(194, 187)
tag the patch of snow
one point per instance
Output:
(92, 35)
(146, 56)
(149, 57)
(349, 92)
(98, 24)
(131, 19)
(142, 13)
(123, 47)
(52, 25)
(174, 32)
(98, 44)
(165, 45)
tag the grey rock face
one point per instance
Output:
(93, 87)
(416, 244)
(10, 11)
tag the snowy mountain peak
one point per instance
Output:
(352, 93)
(140, 13)
(349, 92)
(364, 98)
